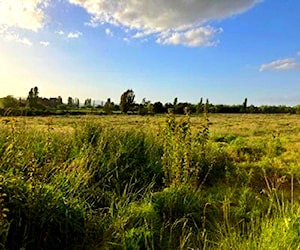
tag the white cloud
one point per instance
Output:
(108, 32)
(145, 33)
(93, 22)
(202, 36)
(25, 14)
(298, 53)
(70, 35)
(60, 32)
(44, 43)
(74, 35)
(280, 65)
(15, 37)
(157, 17)
(139, 35)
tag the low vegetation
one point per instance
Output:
(34, 105)
(165, 182)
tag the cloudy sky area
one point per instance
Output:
(222, 50)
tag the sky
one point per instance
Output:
(221, 50)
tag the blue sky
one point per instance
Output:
(222, 50)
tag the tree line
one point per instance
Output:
(36, 105)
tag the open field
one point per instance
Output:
(249, 125)
(231, 181)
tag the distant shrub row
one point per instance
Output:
(35, 106)
(100, 111)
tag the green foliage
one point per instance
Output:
(80, 184)
(191, 159)
(244, 106)
(9, 102)
(177, 155)
(158, 108)
(108, 107)
(88, 103)
(54, 106)
(4, 225)
(33, 98)
(186, 217)
(263, 232)
(41, 216)
(199, 108)
(126, 101)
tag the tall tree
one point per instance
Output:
(175, 105)
(175, 101)
(33, 97)
(158, 107)
(206, 107)
(70, 101)
(199, 108)
(108, 106)
(88, 103)
(244, 109)
(76, 103)
(59, 100)
(30, 98)
(36, 92)
(9, 102)
(127, 101)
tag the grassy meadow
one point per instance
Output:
(222, 181)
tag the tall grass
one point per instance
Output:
(95, 187)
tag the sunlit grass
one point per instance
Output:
(98, 182)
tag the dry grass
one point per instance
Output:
(99, 179)
(252, 126)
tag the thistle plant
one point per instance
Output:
(202, 135)
(177, 157)
(3, 214)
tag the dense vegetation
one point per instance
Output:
(125, 182)
(35, 105)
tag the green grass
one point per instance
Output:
(130, 182)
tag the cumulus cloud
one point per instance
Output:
(25, 14)
(108, 32)
(60, 32)
(44, 43)
(15, 37)
(69, 35)
(171, 20)
(74, 35)
(139, 35)
(93, 22)
(202, 36)
(298, 53)
(280, 65)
